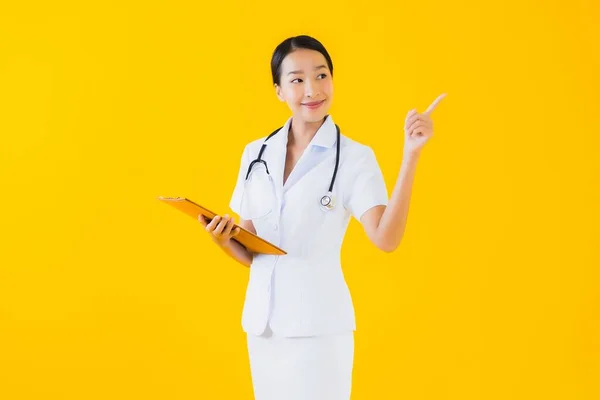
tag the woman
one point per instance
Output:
(300, 194)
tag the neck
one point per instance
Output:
(302, 132)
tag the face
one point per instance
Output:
(306, 85)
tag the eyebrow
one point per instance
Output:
(299, 71)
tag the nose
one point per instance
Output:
(311, 89)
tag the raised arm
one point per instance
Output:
(385, 225)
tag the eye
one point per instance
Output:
(297, 79)
(323, 75)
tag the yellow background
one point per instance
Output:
(107, 293)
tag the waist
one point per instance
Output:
(291, 260)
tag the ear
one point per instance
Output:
(278, 92)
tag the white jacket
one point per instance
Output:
(304, 293)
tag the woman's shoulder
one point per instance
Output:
(354, 148)
(255, 144)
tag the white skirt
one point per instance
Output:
(301, 368)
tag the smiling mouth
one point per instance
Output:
(314, 103)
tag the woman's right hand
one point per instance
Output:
(220, 228)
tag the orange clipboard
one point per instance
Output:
(246, 238)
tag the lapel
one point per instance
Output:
(309, 188)
(276, 151)
(276, 148)
(316, 153)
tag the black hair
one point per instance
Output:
(291, 44)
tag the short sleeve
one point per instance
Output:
(367, 186)
(236, 198)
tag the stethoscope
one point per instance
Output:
(327, 202)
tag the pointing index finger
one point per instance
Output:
(434, 104)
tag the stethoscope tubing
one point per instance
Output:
(326, 201)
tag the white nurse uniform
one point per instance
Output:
(298, 312)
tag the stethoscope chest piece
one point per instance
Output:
(327, 203)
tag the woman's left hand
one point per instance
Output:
(418, 128)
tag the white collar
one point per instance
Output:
(325, 137)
